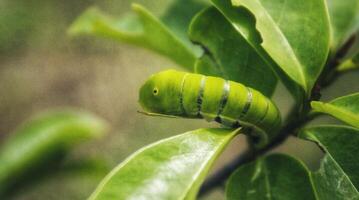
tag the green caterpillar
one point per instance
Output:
(230, 103)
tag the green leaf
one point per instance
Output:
(351, 59)
(356, 59)
(57, 182)
(350, 64)
(179, 15)
(227, 54)
(143, 29)
(345, 108)
(288, 30)
(275, 176)
(244, 23)
(338, 176)
(175, 167)
(43, 140)
(344, 19)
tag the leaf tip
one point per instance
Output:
(83, 24)
(137, 7)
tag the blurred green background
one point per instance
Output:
(42, 68)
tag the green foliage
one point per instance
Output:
(338, 175)
(245, 23)
(207, 29)
(283, 177)
(175, 167)
(271, 177)
(288, 38)
(344, 108)
(350, 64)
(256, 43)
(344, 18)
(143, 29)
(42, 141)
(179, 15)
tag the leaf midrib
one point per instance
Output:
(331, 109)
(300, 68)
(203, 167)
(312, 136)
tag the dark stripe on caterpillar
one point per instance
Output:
(223, 102)
(197, 96)
(265, 113)
(248, 103)
(224, 99)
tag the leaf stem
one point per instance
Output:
(249, 155)
(297, 118)
(332, 70)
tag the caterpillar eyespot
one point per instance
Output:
(214, 99)
(155, 91)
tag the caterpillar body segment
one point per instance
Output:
(197, 96)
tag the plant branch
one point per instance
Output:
(295, 121)
(218, 178)
(249, 155)
(331, 72)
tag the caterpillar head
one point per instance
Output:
(160, 93)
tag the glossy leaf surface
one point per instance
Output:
(227, 54)
(174, 167)
(338, 176)
(271, 177)
(345, 108)
(287, 31)
(179, 15)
